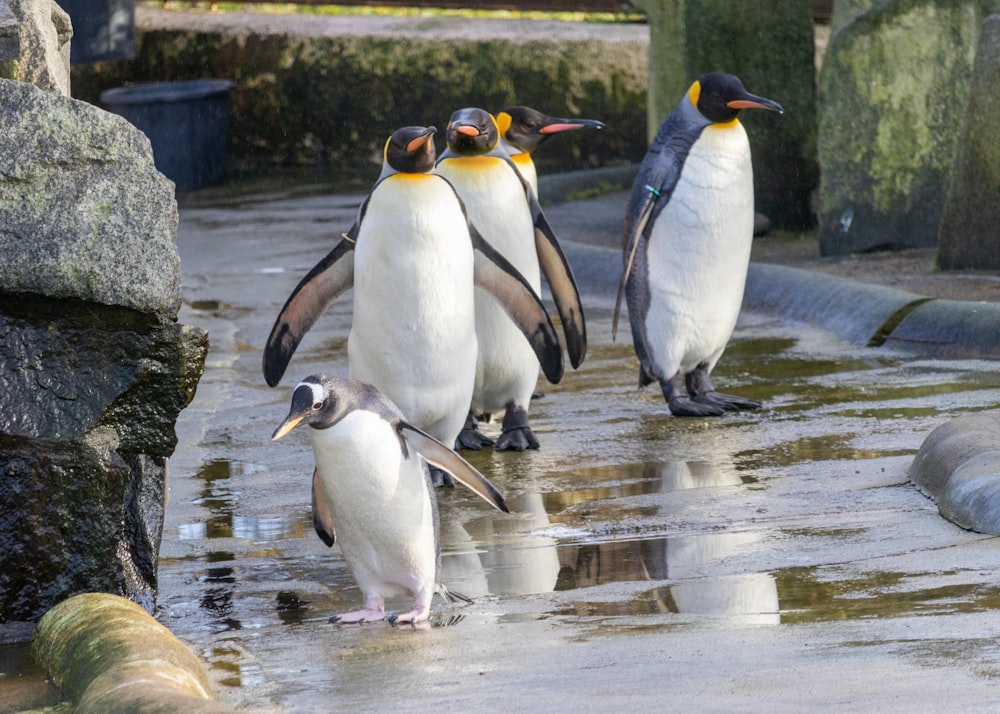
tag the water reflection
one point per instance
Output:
(676, 558)
(496, 554)
(502, 556)
(527, 553)
(216, 496)
(217, 600)
(809, 595)
(753, 598)
(291, 610)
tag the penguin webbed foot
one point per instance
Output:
(441, 478)
(519, 439)
(420, 613)
(358, 617)
(727, 402)
(685, 400)
(516, 434)
(685, 406)
(702, 390)
(471, 438)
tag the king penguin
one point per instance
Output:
(372, 480)
(413, 260)
(688, 232)
(505, 209)
(523, 129)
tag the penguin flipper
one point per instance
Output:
(329, 278)
(322, 516)
(438, 454)
(495, 274)
(631, 244)
(559, 276)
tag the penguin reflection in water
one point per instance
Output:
(414, 260)
(372, 480)
(688, 230)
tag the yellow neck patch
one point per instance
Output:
(731, 124)
(694, 93)
(503, 120)
(411, 177)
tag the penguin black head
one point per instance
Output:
(472, 132)
(720, 97)
(410, 150)
(526, 128)
(321, 401)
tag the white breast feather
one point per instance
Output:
(380, 504)
(413, 329)
(699, 251)
(507, 368)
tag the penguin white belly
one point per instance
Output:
(699, 252)
(380, 503)
(507, 369)
(413, 333)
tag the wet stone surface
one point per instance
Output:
(777, 557)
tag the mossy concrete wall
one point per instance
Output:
(311, 99)
(893, 92)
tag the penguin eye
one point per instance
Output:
(317, 406)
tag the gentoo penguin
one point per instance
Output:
(373, 481)
(688, 232)
(523, 129)
(505, 210)
(413, 258)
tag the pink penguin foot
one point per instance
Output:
(374, 612)
(419, 613)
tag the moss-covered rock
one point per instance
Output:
(894, 88)
(968, 236)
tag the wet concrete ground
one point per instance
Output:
(776, 560)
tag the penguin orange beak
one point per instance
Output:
(756, 103)
(467, 130)
(286, 426)
(556, 128)
(570, 125)
(415, 144)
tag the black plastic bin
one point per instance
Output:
(187, 123)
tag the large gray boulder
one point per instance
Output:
(43, 41)
(86, 215)
(88, 400)
(93, 367)
(968, 235)
(893, 90)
